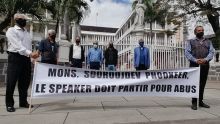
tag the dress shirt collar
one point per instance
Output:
(19, 28)
(74, 44)
(200, 39)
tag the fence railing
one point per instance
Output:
(216, 57)
(161, 57)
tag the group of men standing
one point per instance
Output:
(95, 56)
(199, 51)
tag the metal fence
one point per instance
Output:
(161, 57)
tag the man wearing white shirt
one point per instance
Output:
(19, 63)
(76, 54)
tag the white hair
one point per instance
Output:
(51, 31)
(63, 37)
(19, 15)
(77, 37)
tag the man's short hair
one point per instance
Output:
(63, 37)
(199, 26)
(77, 37)
(51, 31)
(141, 40)
(19, 15)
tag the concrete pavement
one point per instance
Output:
(115, 110)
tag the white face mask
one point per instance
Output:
(95, 46)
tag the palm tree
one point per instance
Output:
(9, 7)
(68, 10)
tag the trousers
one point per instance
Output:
(19, 70)
(204, 70)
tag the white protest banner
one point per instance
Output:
(56, 81)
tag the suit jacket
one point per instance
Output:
(137, 57)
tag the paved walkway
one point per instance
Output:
(116, 110)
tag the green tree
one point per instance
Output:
(208, 8)
(9, 7)
(68, 11)
(61, 10)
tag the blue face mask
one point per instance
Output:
(141, 44)
(95, 46)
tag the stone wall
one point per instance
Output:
(214, 72)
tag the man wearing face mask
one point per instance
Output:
(95, 57)
(48, 48)
(199, 51)
(111, 57)
(76, 54)
(19, 63)
(141, 57)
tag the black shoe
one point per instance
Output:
(203, 105)
(10, 109)
(26, 105)
(194, 107)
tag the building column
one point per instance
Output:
(73, 25)
(59, 31)
(45, 31)
(155, 38)
(165, 39)
(31, 30)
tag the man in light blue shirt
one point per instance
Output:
(95, 57)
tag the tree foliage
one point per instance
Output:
(205, 8)
(9, 7)
(76, 9)
(174, 10)
(37, 9)
(67, 11)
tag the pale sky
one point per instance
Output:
(108, 13)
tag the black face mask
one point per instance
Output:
(21, 22)
(77, 41)
(53, 37)
(200, 34)
(111, 45)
